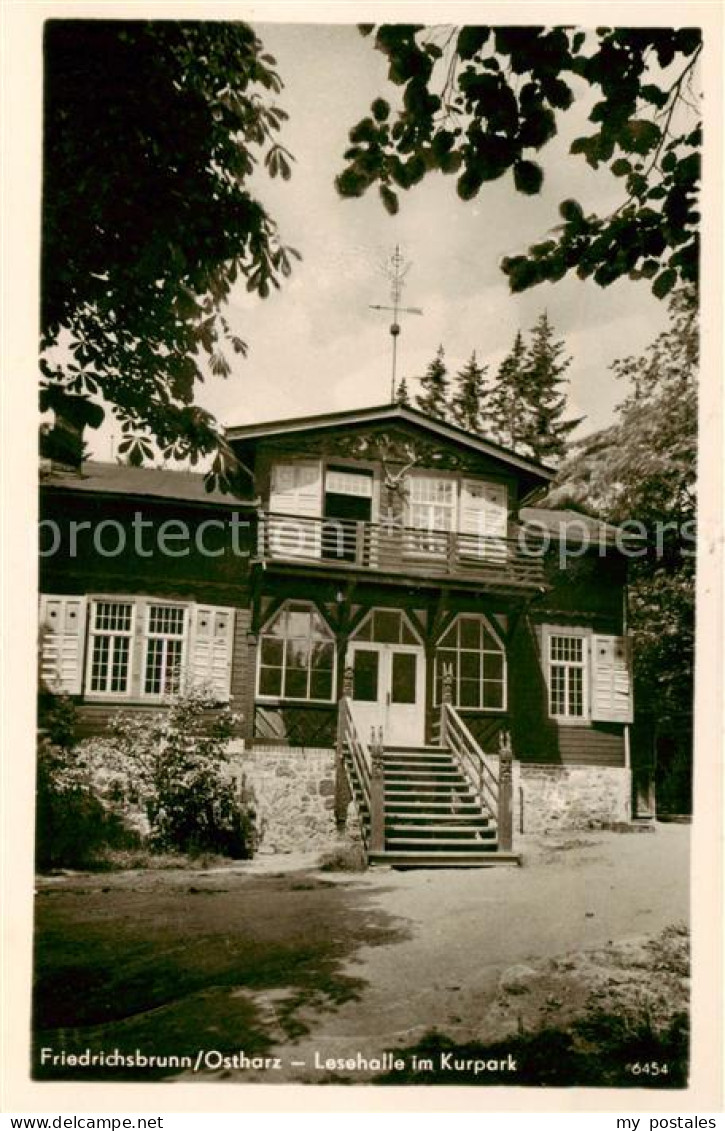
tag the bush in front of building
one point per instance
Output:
(73, 824)
(174, 766)
(160, 781)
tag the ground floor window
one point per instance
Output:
(297, 656)
(110, 647)
(567, 671)
(134, 647)
(165, 633)
(477, 661)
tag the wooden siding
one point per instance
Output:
(217, 578)
(301, 725)
(593, 745)
(93, 718)
(535, 736)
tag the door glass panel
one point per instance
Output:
(365, 675)
(403, 677)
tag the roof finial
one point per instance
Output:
(396, 269)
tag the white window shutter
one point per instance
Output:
(612, 699)
(211, 649)
(62, 642)
(484, 519)
(296, 491)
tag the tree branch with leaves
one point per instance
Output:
(152, 131)
(482, 102)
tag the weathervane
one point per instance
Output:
(396, 269)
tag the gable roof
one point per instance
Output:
(96, 477)
(390, 414)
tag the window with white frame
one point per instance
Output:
(135, 647)
(568, 674)
(111, 629)
(431, 512)
(296, 656)
(477, 660)
(164, 645)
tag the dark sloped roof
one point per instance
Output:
(390, 412)
(146, 482)
(573, 525)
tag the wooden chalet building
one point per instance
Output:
(413, 647)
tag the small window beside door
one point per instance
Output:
(476, 659)
(296, 655)
(365, 675)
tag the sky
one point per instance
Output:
(316, 346)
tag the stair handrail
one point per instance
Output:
(354, 765)
(493, 784)
(470, 757)
(359, 760)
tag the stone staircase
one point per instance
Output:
(433, 817)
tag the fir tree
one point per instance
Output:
(402, 396)
(507, 410)
(433, 398)
(545, 433)
(468, 398)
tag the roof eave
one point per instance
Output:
(294, 425)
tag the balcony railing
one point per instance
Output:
(393, 549)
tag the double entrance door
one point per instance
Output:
(389, 691)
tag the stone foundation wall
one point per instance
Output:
(549, 798)
(294, 789)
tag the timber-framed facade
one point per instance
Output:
(385, 590)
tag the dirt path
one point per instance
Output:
(277, 959)
(466, 928)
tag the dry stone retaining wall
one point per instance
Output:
(294, 788)
(548, 798)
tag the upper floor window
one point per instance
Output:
(296, 655)
(430, 513)
(474, 508)
(476, 659)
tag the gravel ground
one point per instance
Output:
(276, 959)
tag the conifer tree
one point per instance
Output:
(507, 410)
(545, 433)
(433, 398)
(467, 402)
(402, 396)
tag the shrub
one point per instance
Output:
(72, 823)
(174, 764)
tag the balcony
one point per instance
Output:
(397, 553)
